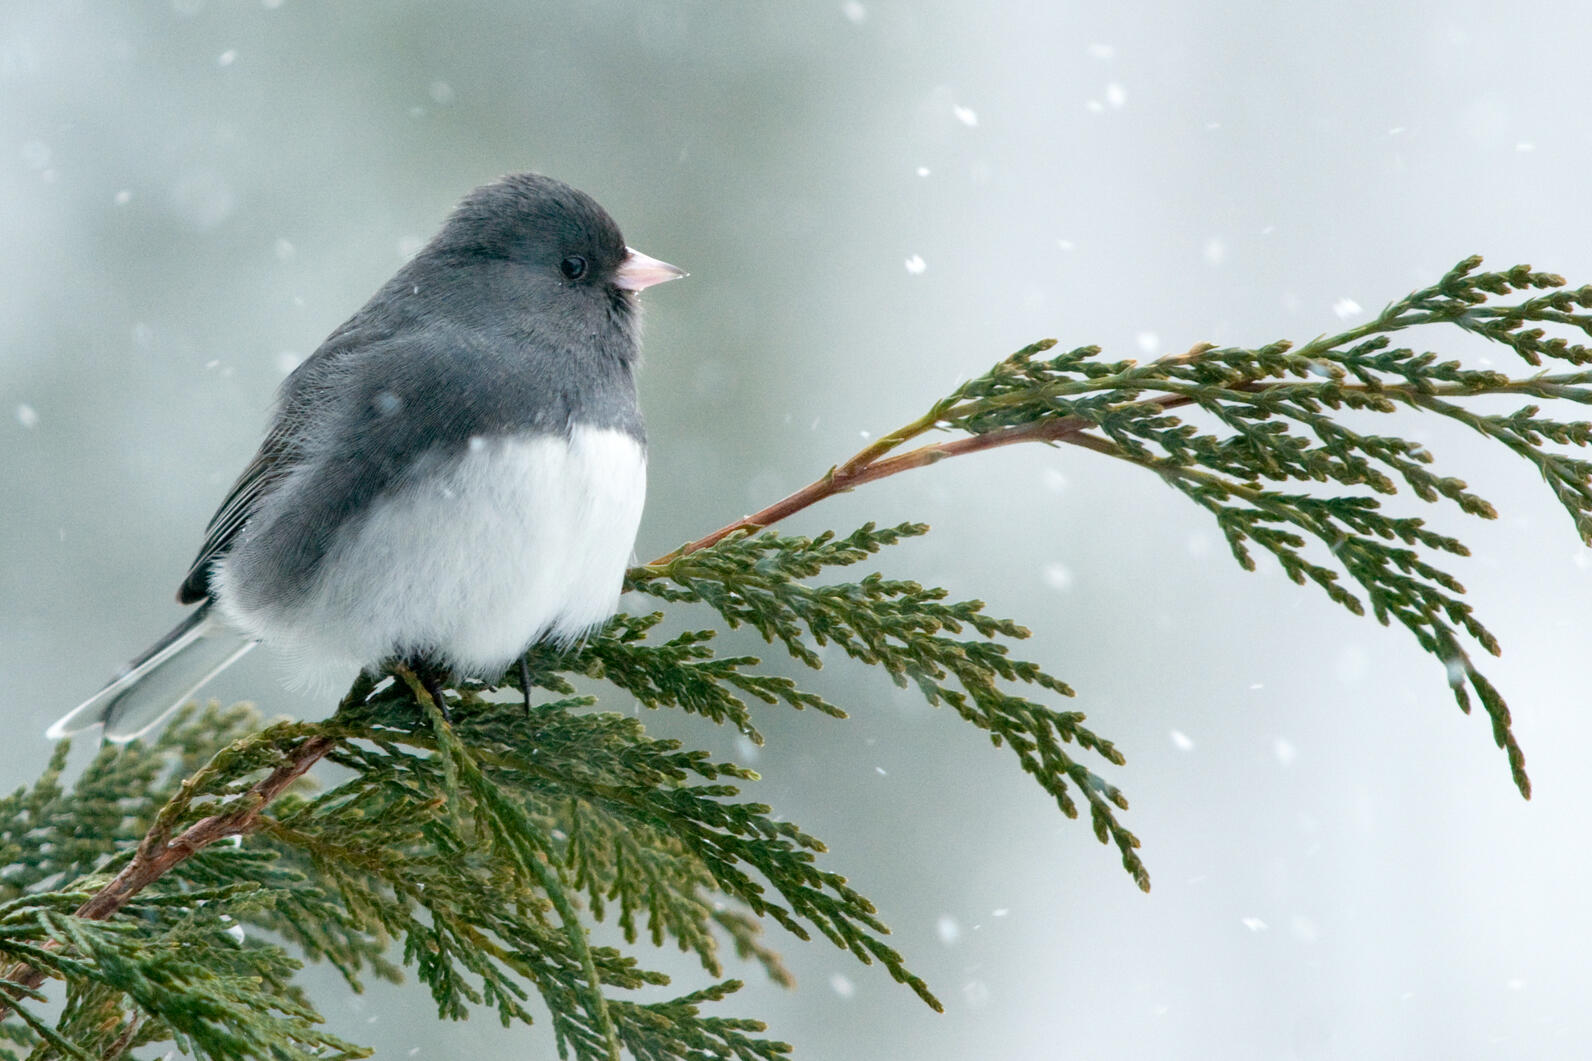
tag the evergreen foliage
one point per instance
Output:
(176, 887)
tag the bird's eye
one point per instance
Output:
(573, 267)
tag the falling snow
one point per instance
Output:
(27, 416)
(1181, 741)
(923, 171)
(948, 929)
(966, 115)
(1058, 576)
(227, 58)
(915, 265)
(855, 13)
(1346, 308)
(1103, 52)
(1116, 96)
(1254, 924)
(1284, 750)
(1148, 342)
(841, 985)
(123, 197)
(1215, 251)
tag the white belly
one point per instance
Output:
(521, 539)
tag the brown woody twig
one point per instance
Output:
(156, 855)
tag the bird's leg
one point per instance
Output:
(433, 677)
(525, 684)
(433, 683)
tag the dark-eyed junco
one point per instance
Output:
(457, 473)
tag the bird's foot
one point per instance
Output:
(434, 679)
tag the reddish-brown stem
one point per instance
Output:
(863, 469)
(156, 855)
(854, 473)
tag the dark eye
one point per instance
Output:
(574, 267)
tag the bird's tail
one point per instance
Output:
(159, 681)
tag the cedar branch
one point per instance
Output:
(154, 858)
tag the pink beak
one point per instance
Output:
(638, 271)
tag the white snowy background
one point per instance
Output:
(875, 199)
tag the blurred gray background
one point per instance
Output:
(875, 199)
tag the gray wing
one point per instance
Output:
(269, 465)
(330, 397)
(302, 393)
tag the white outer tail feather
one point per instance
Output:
(160, 681)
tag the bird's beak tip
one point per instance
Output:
(640, 271)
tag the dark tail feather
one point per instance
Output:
(159, 681)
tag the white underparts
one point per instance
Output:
(517, 539)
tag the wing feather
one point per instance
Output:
(267, 468)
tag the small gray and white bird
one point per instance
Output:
(455, 474)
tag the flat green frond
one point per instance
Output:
(1230, 426)
(911, 632)
(683, 672)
